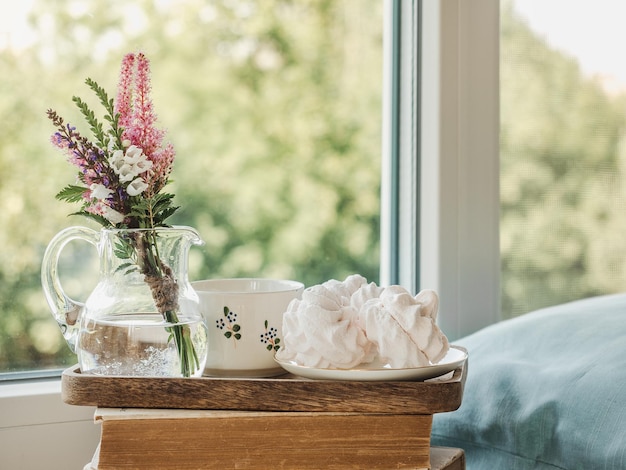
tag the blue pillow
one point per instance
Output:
(546, 390)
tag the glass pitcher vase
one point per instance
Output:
(143, 317)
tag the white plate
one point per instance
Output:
(372, 372)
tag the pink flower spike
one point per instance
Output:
(163, 164)
(143, 114)
(123, 102)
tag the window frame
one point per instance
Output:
(460, 193)
(441, 150)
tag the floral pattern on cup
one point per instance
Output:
(270, 338)
(229, 323)
(233, 330)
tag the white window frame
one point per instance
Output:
(446, 204)
(447, 154)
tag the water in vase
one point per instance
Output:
(137, 345)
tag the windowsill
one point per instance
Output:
(15, 388)
(38, 430)
(33, 402)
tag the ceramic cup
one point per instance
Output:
(244, 318)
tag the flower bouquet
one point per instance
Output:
(121, 174)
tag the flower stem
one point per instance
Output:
(182, 339)
(164, 289)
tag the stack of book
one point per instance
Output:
(284, 422)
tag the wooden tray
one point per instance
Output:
(283, 393)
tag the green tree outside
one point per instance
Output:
(562, 176)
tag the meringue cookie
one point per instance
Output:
(321, 296)
(393, 344)
(404, 328)
(341, 324)
(321, 331)
(429, 301)
(347, 288)
(363, 294)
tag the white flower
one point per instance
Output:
(129, 165)
(112, 215)
(133, 154)
(107, 212)
(116, 160)
(136, 187)
(99, 191)
(143, 165)
(127, 173)
(135, 157)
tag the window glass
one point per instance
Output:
(274, 109)
(563, 158)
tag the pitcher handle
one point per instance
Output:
(65, 310)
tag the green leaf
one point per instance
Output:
(102, 95)
(152, 212)
(236, 327)
(71, 193)
(164, 214)
(237, 336)
(102, 136)
(228, 334)
(95, 217)
(129, 267)
(124, 250)
(90, 117)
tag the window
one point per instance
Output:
(563, 102)
(448, 201)
(520, 203)
(274, 109)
